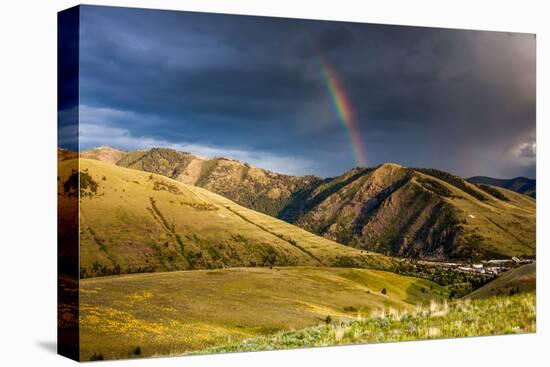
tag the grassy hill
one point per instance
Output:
(133, 221)
(185, 311)
(522, 279)
(515, 315)
(104, 153)
(416, 212)
(258, 282)
(254, 188)
(389, 209)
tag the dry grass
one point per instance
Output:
(181, 312)
(492, 316)
(128, 226)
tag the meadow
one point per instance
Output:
(182, 312)
(169, 268)
(464, 318)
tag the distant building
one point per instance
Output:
(498, 262)
(493, 270)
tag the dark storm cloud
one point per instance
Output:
(250, 87)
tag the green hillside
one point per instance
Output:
(417, 212)
(518, 280)
(258, 282)
(390, 209)
(458, 319)
(133, 221)
(185, 311)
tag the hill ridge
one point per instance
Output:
(392, 209)
(165, 225)
(520, 184)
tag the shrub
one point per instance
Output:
(165, 186)
(384, 291)
(88, 187)
(493, 192)
(453, 180)
(435, 186)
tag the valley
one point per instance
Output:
(194, 262)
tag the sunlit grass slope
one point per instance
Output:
(419, 213)
(390, 209)
(522, 279)
(492, 316)
(507, 227)
(133, 221)
(185, 311)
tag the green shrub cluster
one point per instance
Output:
(493, 192)
(435, 187)
(458, 282)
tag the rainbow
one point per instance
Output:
(343, 109)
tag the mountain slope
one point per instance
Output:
(416, 212)
(522, 279)
(251, 187)
(104, 153)
(133, 221)
(523, 185)
(390, 209)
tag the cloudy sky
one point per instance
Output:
(256, 89)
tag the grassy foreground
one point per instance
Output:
(181, 312)
(491, 316)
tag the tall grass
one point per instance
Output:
(463, 318)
